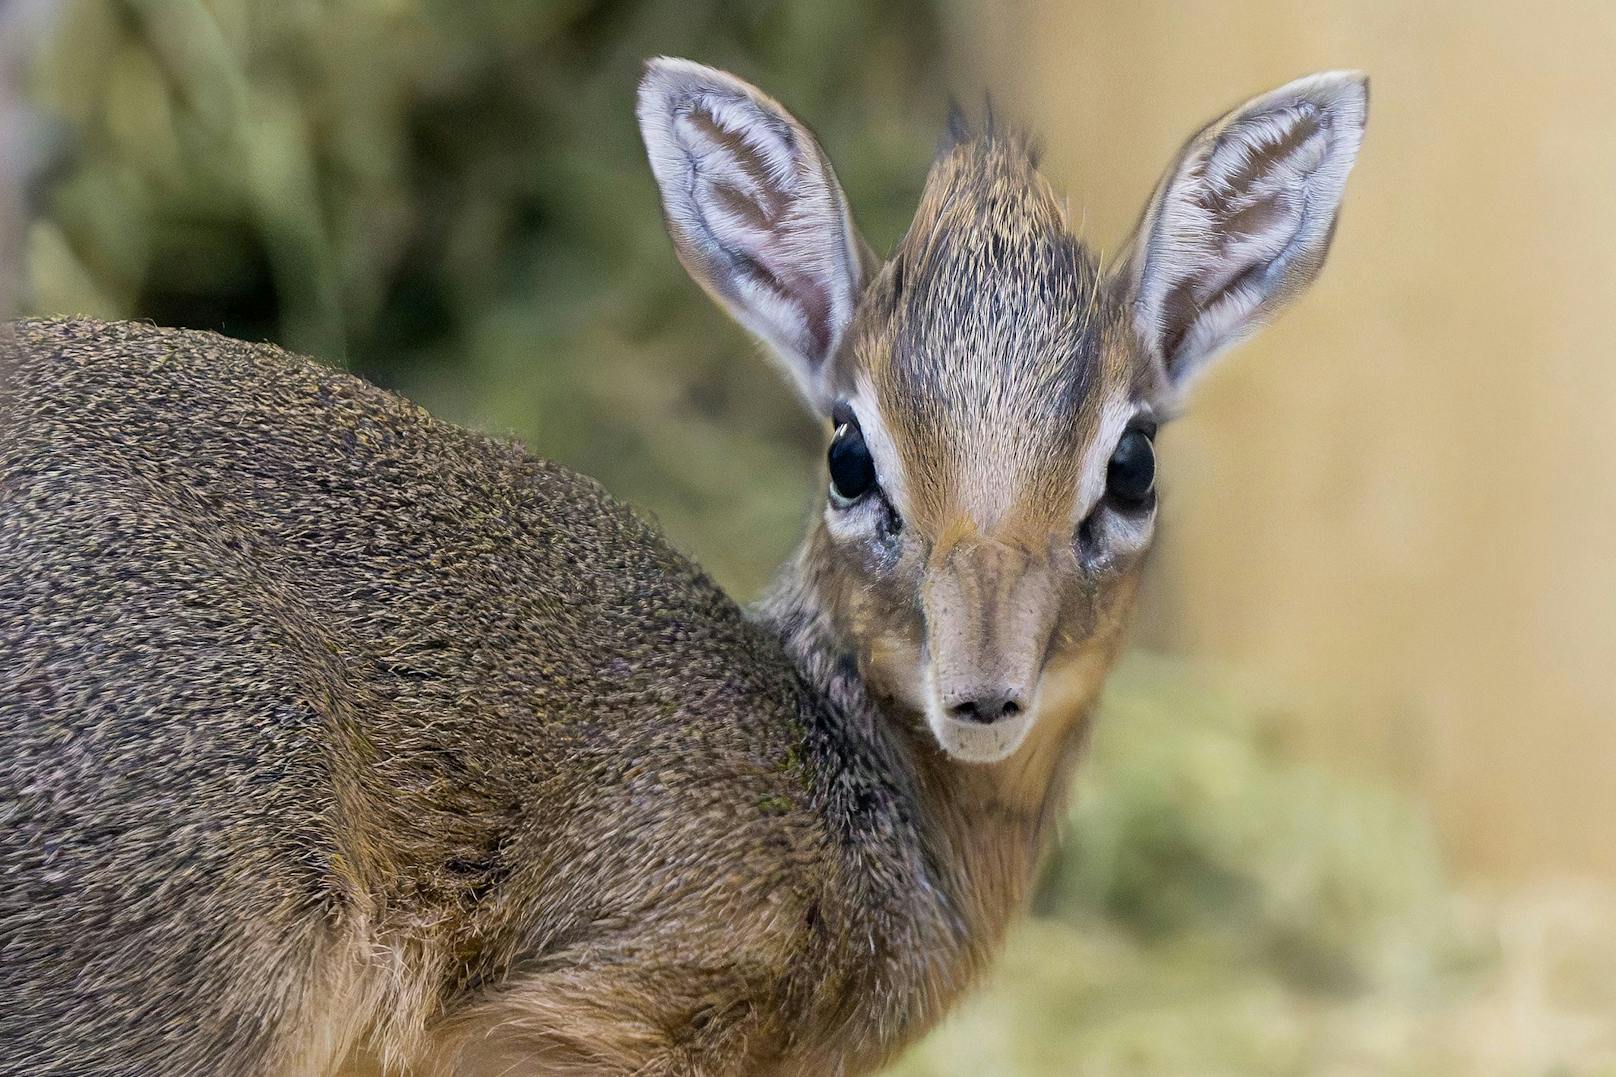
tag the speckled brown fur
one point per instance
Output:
(316, 733)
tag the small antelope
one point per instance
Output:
(334, 738)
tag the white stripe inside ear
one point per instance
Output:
(728, 132)
(756, 214)
(1243, 220)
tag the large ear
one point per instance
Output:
(755, 212)
(1242, 220)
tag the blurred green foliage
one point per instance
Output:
(1222, 906)
(451, 199)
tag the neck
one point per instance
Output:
(984, 827)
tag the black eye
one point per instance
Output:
(852, 472)
(1131, 475)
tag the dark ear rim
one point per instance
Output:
(1342, 96)
(738, 282)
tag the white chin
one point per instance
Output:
(973, 742)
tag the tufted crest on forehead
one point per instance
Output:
(991, 361)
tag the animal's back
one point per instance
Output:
(284, 657)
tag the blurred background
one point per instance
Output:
(1346, 809)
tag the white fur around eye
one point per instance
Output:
(1129, 532)
(1118, 412)
(888, 466)
(1113, 534)
(859, 520)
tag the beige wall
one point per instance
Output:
(1399, 501)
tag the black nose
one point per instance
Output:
(987, 708)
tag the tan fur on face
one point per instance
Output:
(984, 370)
(992, 382)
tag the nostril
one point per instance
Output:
(967, 712)
(986, 710)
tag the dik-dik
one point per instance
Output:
(337, 738)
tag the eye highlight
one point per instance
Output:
(1130, 477)
(852, 470)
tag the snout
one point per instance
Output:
(983, 729)
(990, 610)
(986, 706)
